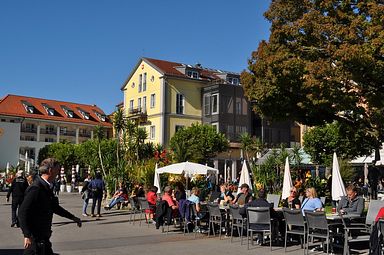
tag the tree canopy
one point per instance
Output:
(198, 143)
(324, 62)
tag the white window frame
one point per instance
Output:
(215, 111)
(131, 105)
(215, 125)
(145, 82)
(152, 132)
(207, 104)
(139, 104)
(153, 101)
(140, 87)
(180, 104)
(144, 109)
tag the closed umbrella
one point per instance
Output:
(156, 181)
(244, 177)
(287, 182)
(338, 188)
(365, 173)
(7, 171)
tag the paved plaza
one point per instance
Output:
(114, 234)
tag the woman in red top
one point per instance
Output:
(151, 198)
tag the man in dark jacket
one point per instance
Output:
(17, 189)
(36, 211)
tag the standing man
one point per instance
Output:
(18, 187)
(36, 212)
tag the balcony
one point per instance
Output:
(32, 130)
(67, 133)
(85, 134)
(139, 115)
(27, 138)
(48, 131)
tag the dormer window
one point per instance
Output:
(68, 111)
(50, 110)
(29, 108)
(233, 80)
(101, 117)
(193, 74)
(84, 114)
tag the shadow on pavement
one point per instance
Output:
(11, 251)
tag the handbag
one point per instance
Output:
(85, 195)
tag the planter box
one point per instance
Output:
(62, 188)
(69, 188)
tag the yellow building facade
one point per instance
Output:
(162, 97)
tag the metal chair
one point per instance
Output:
(294, 225)
(144, 205)
(322, 199)
(133, 210)
(215, 217)
(318, 227)
(259, 221)
(353, 234)
(237, 221)
(274, 198)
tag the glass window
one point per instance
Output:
(145, 82)
(131, 105)
(140, 82)
(153, 100)
(178, 127)
(152, 131)
(207, 105)
(238, 106)
(216, 126)
(144, 104)
(215, 103)
(139, 104)
(179, 104)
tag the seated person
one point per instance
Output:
(311, 202)
(120, 196)
(167, 196)
(194, 198)
(292, 201)
(244, 196)
(352, 204)
(152, 199)
(225, 194)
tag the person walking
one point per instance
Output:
(97, 187)
(86, 194)
(17, 189)
(36, 211)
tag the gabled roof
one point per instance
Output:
(14, 106)
(169, 68)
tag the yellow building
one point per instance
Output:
(163, 96)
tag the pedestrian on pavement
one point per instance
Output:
(36, 211)
(86, 193)
(17, 189)
(97, 187)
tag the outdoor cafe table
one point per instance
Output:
(336, 216)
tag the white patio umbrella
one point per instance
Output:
(7, 171)
(188, 169)
(156, 181)
(338, 188)
(287, 182)
(244, 177)
(365, 173)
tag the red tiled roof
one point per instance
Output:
(13, 105)
(169, 68)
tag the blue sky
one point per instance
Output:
(82, 51)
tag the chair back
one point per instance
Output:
(322, 200)
(316, 220)
(374, 207)
(273, 198)
(258, 215)
(214, 210)
(293, 217)
(132, 202)
(143, 203)
(234, 211)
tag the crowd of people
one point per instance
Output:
(34, 200)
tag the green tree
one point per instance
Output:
(99, 133)
(198, 143)
(323, 62)
(119, 125)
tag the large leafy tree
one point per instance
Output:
(324, 62)
(198, 143)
